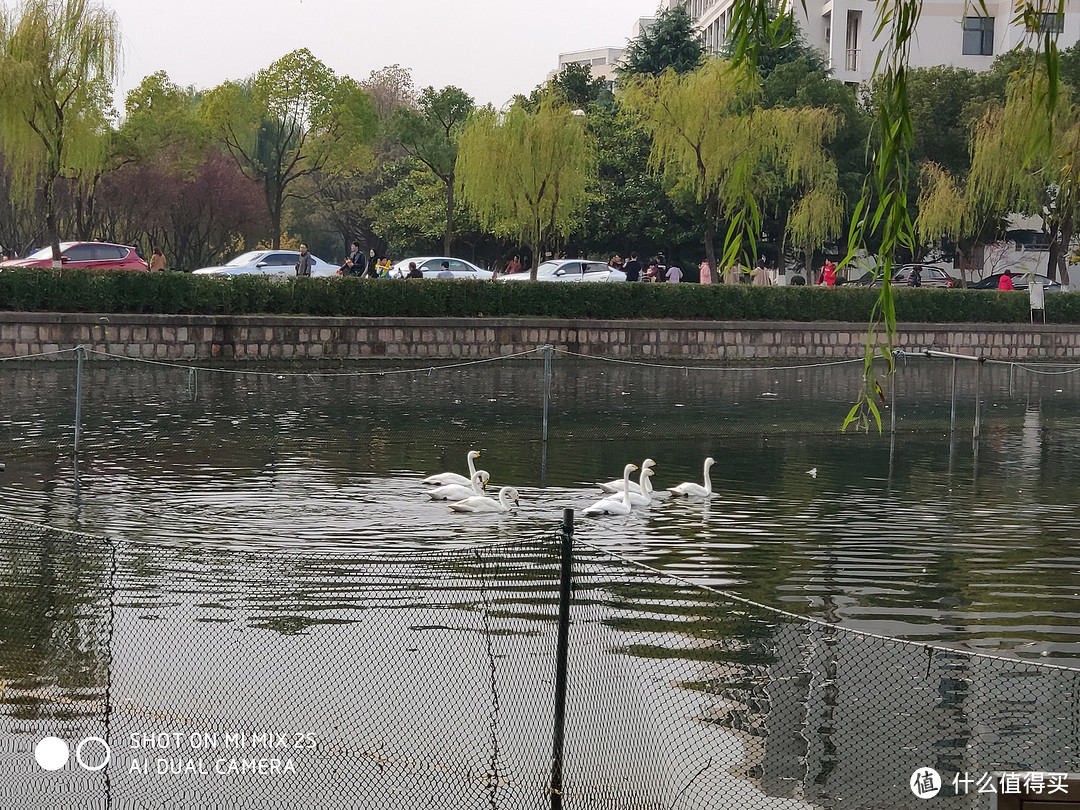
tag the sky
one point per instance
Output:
(492, 49)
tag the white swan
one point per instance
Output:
(442, 479)
(691, 490)
(482, 503)
(614, 507)
(617, 484)
(455, 492)
(637, 498)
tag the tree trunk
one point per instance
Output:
(275, 205)
(50, 222)
(1058, 248)
(1066, 233)
(710, 248)
(449, 216)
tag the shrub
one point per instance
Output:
(182, 294)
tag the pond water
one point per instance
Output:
(923, 535)
(257, 495)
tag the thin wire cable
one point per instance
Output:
(320, 374)
(706, 368)
(811, 620)
(39, 354)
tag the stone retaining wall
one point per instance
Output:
(200, 337)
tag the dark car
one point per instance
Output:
(85, 255)
(1020, 282)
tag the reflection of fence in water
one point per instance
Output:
(427, 682)
(139, 404)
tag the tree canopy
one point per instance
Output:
(527, 173)
(58, 62)
(671, 41)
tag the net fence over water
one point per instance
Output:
(230, 679)
(134, 403)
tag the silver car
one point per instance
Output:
(431, 266)
(278, 264)
(570, 270)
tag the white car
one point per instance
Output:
(274, 263)
(431, 266)
(570, 270)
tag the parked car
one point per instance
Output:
(431, 266)
(932, 276)
(85, 255)
(1020, 282)
(570, 270)
(274, 263)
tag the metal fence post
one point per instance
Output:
(952, 415)
(978, 399)
(547, 387)
(80, 352)
(562, 656)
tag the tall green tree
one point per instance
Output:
(288, 122)
(430, 134)
(671, 41)
(58, 63)
(712, 141)
(527, 173)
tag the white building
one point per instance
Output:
(949, 32)
(601, 61)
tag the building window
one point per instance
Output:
(1051, 23)
(851, 42)
(978, 36)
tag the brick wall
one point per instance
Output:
(198, 337)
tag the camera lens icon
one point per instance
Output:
(53, 753)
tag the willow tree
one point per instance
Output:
(1020, 162)
(526, 174)
(58, 63)
(712, 140)
(290, 121)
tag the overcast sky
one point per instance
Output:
(492, 49)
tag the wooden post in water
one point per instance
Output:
(80, 352)
(561, 659)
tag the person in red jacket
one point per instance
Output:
(1005, 282)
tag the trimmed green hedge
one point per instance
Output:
(182, 294)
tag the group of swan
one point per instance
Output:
(467, 494)
(625, 494)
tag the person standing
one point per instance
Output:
(157, 260)
(914, 278)
(1006, 282)
(354, 262)
(445, 273)
(304, 262)
(673, 275)
(513, 266)
(828, 274)
(370, 271)
(706, 272)
(632, 268)
(414, 271)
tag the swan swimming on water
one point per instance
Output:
(442, 479)
(691, 490)
(482, 503)
(641, 498)
(614, 507)
(617, 484)
(456, 492)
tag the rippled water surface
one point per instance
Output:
(925, 535)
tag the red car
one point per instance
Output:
(85, 255)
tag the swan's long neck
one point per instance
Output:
(708, 481)
(626, 487)
(504, 495)
(472, 467)
(477, 483)
(644, 484)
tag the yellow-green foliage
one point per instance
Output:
(526, 173)
(711, 138)
(58, 61)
